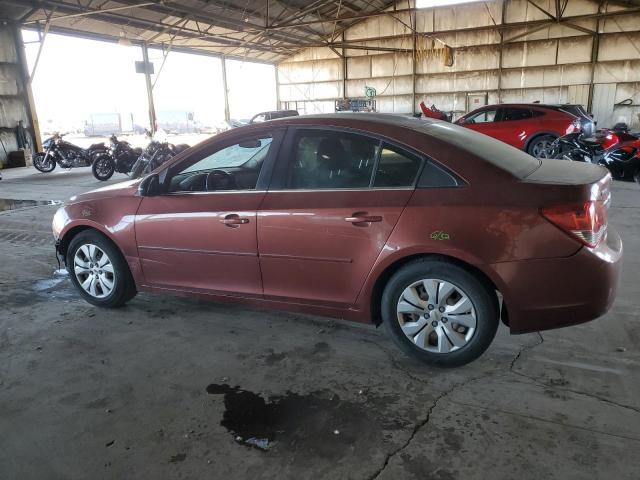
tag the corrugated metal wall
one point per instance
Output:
(12, 98)
(552, 64)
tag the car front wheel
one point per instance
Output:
(439, 313)
(99, 271)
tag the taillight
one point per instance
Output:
(586, 221)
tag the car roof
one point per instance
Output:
(390, 119)
(493, 151)
(534, 105)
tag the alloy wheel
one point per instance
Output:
(436, 315)
(103, 167)
(543, 149)
(94, 270)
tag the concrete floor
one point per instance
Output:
(140, 392)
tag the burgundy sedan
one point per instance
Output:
(436, 231)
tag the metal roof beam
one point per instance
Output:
(159, 27)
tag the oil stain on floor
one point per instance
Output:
(319, 424)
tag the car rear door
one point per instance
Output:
(335, 198)
(204, 240)
(517, 125)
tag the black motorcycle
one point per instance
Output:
(577, 148)
(155, 155)
(121, 158)
(66, 154)
(615, 149)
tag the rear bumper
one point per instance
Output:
(550, 293)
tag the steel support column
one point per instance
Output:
(595, 46)
(344, 68)
(275, 70)
(147, 77)
(225, 90)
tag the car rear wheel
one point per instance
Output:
(542, 146)
(439, 313)
(99, 271)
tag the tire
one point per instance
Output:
(540, 146)
(636, 176)
(103, 167)
(138, 168)
(85, 263)
(432, 334)
(41, 165)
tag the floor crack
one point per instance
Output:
(556, 387)
(524, 349)
(418, 426)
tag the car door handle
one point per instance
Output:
(361, 217)
(234, 220)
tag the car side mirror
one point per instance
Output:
(149, 186)
(461, 121)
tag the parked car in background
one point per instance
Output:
(272, 115)
(431, 229)
(531, 127)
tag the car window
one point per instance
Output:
(484, 116)
(435, 176)
(511, 114)
(396, 168)
(331, 160)
(235, 167)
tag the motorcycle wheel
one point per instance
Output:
(44, 166)
(103, 167)
(137, 168)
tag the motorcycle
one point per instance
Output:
(66, 154)
(615, 149)
(433, 112)
(576, 147)
(155, 155)
(120, 158)
(622, 155)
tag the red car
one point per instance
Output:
(529, 127)
(432, 229)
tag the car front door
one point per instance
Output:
(486, 121)
(200, 233)
(335, 198)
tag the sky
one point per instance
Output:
(76, 78)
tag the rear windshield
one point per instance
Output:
(506, 157)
